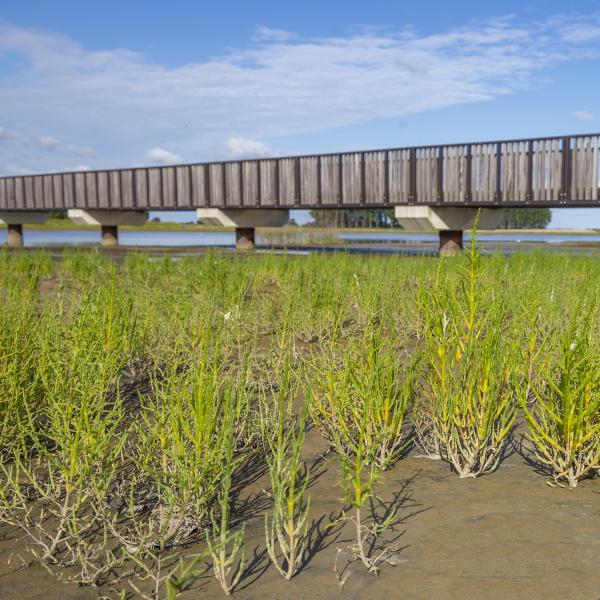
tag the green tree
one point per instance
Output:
(526, 218)
(350, 218)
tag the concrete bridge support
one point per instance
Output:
(245, 220)
(15, 219)
(448, 221)
(14, 234)
(109, 221)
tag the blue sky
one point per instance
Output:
(92, 85)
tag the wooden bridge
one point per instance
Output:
(543, 172)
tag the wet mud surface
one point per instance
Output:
(503, 536)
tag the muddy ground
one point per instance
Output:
(504, 536)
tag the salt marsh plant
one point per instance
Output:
(75, 443)
(225, 546)
(22, 332)
(178, 457)
(472, 365)
(286, 528)
(359, 475)
(358, 402)
(66, 484)
(564, 416)
(20, 344)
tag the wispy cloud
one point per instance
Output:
(239, 148)
(17, 170)
(282, 84)
(162, 156)
(580, 31)
(79, 150)
(280, 35)
(582, 115)
(47, 141)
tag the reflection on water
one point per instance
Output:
(53, 237)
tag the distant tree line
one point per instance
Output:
(354, 218)
(514, 218)
(526, 218)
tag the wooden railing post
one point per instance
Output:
(529, 193)
(412, 176)
(440, 174)
(566, 170)
(386, 177)
(340, 195)
(469, 176)
(498, 194)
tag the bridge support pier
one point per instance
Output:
(109, 235)
(245, 221)
(14, 221)
(244, 238)
(109, 221)
(14, 237)
(451, 242)
(448, 221)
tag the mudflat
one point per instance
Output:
(506, 535)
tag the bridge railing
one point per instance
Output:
(551, 171)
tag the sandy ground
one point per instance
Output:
(507, 535)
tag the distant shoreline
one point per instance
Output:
(67, 225)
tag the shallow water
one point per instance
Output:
(484, 237)
(52, 237)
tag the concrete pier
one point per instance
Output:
(108, 221)
(15, 219)
(451, 241)
(448, 221)
(244, 238)
(245, 221)
(14, 235)
(109, 235)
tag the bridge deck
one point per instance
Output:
(554, 171)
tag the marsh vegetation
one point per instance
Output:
(155, 410)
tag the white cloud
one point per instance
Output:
(280, 85)
(82, 168)
(239, 148)
(582, 115)
(16, 170)
(47, 141)
(579, 32)
(4, 134)
(79, 150)
(280, 35)
(162, 156)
